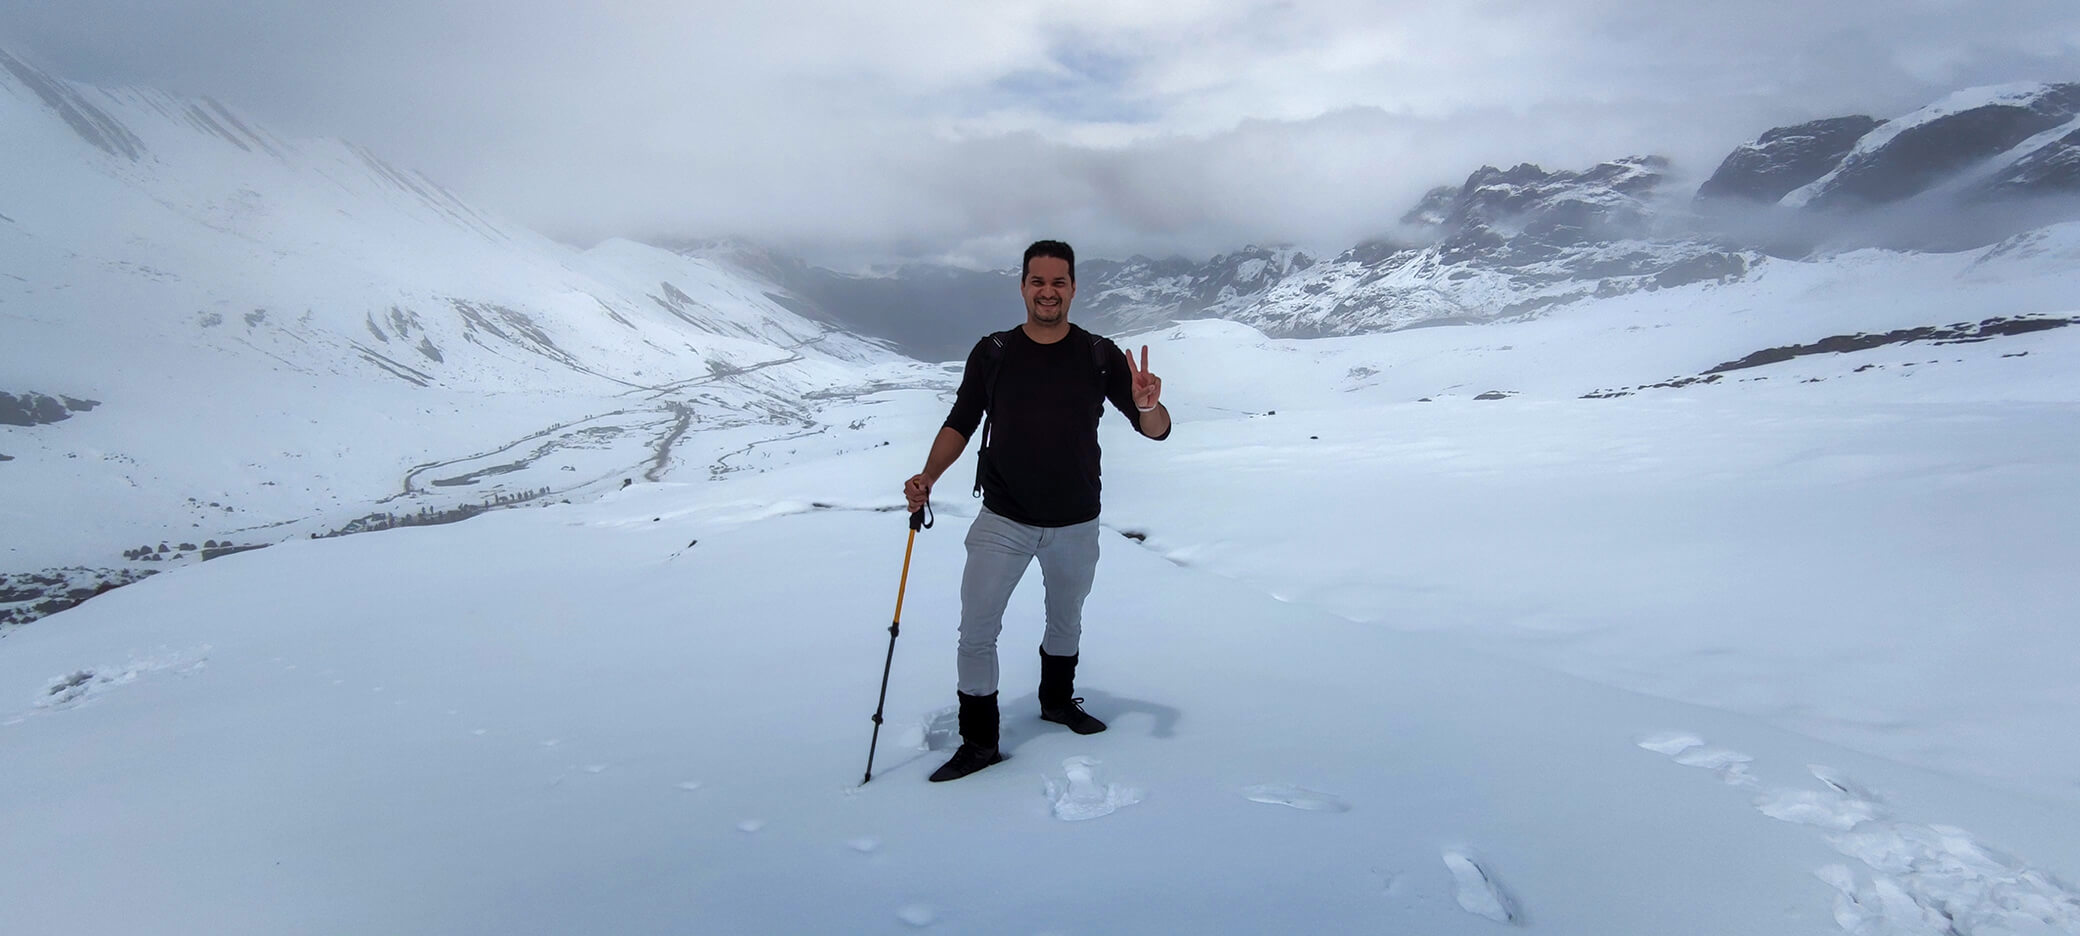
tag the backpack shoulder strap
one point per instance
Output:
(995, 352)
(989, 383)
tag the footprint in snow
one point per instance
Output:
(1920, 877)
(1078, 795)
(1479, 892)
(1286, 794)
(940, 731)
(67, 689)
(1670, 743)
(1731, 766)
(1915, 877)
(1690, 750)
(1820, 810)
(76, 687)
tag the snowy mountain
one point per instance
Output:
(1785, 159)
(228, 236)
(1141, 293)
(1505, 244)
(1977, 166)
(1979, 133)
(249, 338)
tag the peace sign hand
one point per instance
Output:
(1148, 388)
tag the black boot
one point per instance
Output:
(978, 738)
(1058, 702)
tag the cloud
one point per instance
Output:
(950, 129)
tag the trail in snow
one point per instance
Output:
(1914, 877)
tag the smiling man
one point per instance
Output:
(1042, 387)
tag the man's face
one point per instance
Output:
(1048, 289)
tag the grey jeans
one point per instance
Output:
(999, 551)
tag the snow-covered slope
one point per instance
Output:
(1754, 656)
(271, 338)
(133, 216)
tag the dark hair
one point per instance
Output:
(1048, 248)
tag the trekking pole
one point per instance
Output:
(917, 522)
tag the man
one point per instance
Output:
(1043, 386)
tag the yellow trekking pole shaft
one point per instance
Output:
(917, 522)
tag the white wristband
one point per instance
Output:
(1146, 409)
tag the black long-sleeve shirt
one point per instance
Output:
(1042, 463)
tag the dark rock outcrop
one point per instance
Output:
(1959, 333)
(1785, 159)
(37, 409)
(27, 596)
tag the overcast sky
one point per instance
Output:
(863, 132)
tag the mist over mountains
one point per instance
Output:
(1969, 170)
